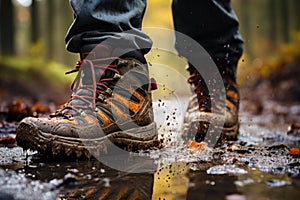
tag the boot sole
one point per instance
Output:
(135, 139)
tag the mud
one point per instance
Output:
(259, 165)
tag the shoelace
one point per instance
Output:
(103, 89)
(204, 99)
(100, 87)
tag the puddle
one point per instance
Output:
(257, 166)
(17, 186)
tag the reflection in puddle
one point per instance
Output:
(170, 182)
(217, 178)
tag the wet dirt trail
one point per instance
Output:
(263, 164)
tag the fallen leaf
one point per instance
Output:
(17, 106)
(294, 151)
(194, 145)
(38, 108)
(8, 139)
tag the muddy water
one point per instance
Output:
(257, 166)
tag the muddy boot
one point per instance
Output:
(110, 99)
(220, 121)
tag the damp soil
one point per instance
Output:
(264, 163)
(260, 165)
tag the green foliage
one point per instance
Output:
(36, 49)
(31, 69)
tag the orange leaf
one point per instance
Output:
(38, 108)
(17, 106)
(197, 145)
(8, 139)
(294, 151)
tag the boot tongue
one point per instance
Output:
(87, 75)
(98, 51)
(87, 78)
(85, 83)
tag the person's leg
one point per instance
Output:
(118, 20)
(111, 97)
(214, 25)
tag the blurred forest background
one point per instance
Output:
(33, 58)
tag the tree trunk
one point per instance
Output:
(283, 20)
(294, 15)
(63, 19)
(34, 32)
(49, 27)
(245, 19)
(7, 29)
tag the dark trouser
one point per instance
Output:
(212, 23)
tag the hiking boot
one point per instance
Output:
(221, 121)
(110, 99)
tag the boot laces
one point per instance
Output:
(200, 88)
(108, 72)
